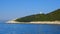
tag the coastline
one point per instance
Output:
(35, 22)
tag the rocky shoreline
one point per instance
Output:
(36, 22)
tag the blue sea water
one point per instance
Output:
(29, 28)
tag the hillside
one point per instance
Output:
(55, 15)
(52, 16)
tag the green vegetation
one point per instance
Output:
(52, 16)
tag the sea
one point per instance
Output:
(6, 28)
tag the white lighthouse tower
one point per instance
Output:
(41, 12)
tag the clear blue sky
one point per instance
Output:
(10, 9)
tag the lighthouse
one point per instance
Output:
(41, 13)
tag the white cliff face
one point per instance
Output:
(12, 21)
(37, 22)
(46, 22)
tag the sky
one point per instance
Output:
(11, 9)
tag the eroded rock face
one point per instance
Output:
(12, 21)
(36, 22)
